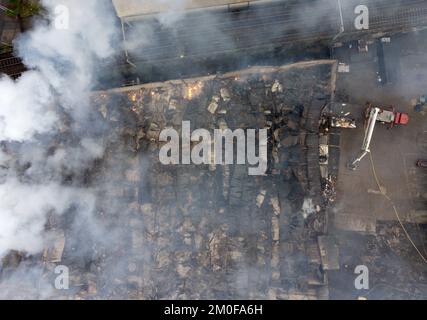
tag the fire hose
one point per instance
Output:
(383, 192)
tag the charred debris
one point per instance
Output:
(191, 231)
(207, 231)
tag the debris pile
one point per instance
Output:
(395, 271)
(191, 231)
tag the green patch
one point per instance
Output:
(23, 8)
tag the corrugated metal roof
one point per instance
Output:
(129, 8)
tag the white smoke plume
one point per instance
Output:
(63, 65)
(25, 107)
(23, 209)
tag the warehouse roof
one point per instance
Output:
(131, 8)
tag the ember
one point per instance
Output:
(194, 90)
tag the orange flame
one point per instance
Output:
(194, 90)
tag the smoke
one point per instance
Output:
(190, 32)
(23, 222)
(50, 135)
(175, 10)
(47, 124)
(68, 58)
(26, 107)
(26, 277)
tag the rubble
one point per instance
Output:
(213, 106)
(54, 254)
(329, 253)
(329, 192)
(389, 279)
(210, 231)
(343, 122)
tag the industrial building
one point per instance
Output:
(344, 186)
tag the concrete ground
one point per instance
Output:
(365, 225)
(395, 150)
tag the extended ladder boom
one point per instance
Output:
(373, 115)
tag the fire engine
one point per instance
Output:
(388, 116)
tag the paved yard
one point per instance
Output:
(395, 150)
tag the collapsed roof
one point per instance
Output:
(203, 231)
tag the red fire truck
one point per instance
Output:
(389, 116)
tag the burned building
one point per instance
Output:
(94, 212)
(208, 231)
